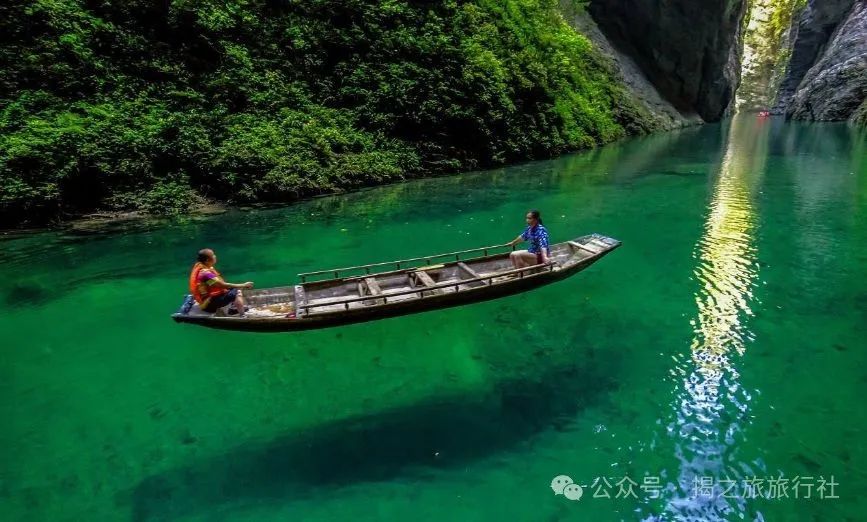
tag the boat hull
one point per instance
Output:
(545, 276)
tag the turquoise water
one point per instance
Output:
(725, 341)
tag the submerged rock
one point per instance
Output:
(835, 87)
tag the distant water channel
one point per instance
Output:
(715, 360)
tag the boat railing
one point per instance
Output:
(488, 279)
(403, 264)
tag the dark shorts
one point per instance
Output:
(221, 300)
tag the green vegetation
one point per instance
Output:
(154, 105)
(767, 49)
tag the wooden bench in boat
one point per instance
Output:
(472, 273)
(371, 285)
(426, 280)
(300, 301)
(593, 249)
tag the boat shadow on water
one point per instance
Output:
(410, 441)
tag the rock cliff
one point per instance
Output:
(689, 50)
(660, 114)
(810, 34)
(836, 85)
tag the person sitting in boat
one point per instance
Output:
(538, 251)
(210, 290)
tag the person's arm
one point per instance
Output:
(244, 286)
(521, 237)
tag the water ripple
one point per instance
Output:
(710, 407)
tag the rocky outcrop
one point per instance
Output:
(689, 50)
(660, 113)
(836, 85)
(810, 34)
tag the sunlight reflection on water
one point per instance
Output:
(726, 272)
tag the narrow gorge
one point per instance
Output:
(804, 60)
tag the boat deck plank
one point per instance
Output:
(373, 285)
(426, 280)
(472, 273)
(300, 300)
(584, 247)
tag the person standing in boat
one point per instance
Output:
(538, 251)
(208, 287)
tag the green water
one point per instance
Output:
(724, 341)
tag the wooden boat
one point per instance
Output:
(364, 293)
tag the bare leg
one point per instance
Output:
(239, 303)
(522, 259)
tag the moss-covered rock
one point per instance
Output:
(767, 49)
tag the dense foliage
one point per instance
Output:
(155, 103)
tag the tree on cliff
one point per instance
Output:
(146, 104)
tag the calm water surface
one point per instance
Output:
(723, 343)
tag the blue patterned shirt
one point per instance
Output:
(538, 238)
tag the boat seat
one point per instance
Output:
(300, 300)
(426, 280)
(592, 249)
(463, 266)
(599, 243)
(373, 288)
(372, 285)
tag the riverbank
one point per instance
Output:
(140, 108)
